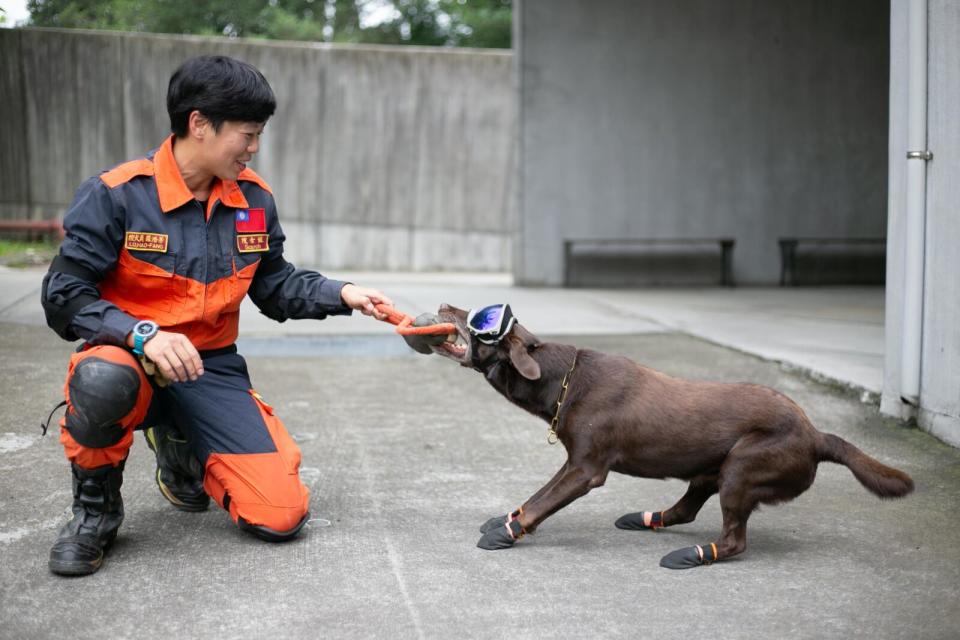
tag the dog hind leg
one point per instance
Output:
(685, 510)
(736, 506)
(765, 467)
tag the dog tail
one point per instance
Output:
(878, 478)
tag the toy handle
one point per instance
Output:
(404, 323)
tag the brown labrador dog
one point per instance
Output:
(748, 443)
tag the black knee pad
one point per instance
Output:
(101, 393)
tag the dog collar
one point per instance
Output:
(552, 436)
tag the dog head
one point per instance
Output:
(513, 348)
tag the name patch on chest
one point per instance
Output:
(254, 242)
(145, 241)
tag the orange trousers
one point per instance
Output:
(251, 464)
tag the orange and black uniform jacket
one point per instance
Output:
(139, 246)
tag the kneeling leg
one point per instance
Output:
(251, 464)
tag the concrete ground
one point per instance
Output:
(406, 455)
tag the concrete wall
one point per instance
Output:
(752, 119)
(380, 157)
(940, 353)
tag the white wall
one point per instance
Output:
(940, 352)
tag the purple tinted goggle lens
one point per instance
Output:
(491, 323)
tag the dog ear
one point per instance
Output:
(529, 340)
(520, 358)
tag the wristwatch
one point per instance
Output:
(143, 331)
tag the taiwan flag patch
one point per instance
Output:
(251, 221)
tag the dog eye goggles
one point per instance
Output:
(490, 324)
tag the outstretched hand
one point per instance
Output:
(364, 300)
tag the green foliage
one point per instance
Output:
(467, 23)
(481, 23)
(23, 253)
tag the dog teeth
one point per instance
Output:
(456, 349)
(455, 345)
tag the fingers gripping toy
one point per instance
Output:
(420, 333)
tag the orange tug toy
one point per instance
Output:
(420, 333)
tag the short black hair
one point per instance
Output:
(221, 88)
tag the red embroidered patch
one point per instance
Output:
(251, 221)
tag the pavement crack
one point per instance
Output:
(393, 556)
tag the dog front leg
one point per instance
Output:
(571, 483)
(499, 521)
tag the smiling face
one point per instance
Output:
(227, 152)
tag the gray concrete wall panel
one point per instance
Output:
(742, 118)
(15, 156)
(74, 108)
(468, 129)
(350, 247)
(456, 250)
(388, 142)
(370, 98)
(147, 65)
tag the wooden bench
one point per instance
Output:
(34, 229)
(789, 246)
(631, 246)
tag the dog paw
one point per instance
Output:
(499, 521)
(689, 557)
(640, 520)
(501, 537)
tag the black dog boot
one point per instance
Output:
(493, 523)
(97, 515)
(499, 521)
(501, 537)
(179, 474)
(690, 557)
(640, 520)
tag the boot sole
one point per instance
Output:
(76, 568)
(269, 535)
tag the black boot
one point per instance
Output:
(97, 514)
(179, 474)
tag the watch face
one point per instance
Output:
(144, 329)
